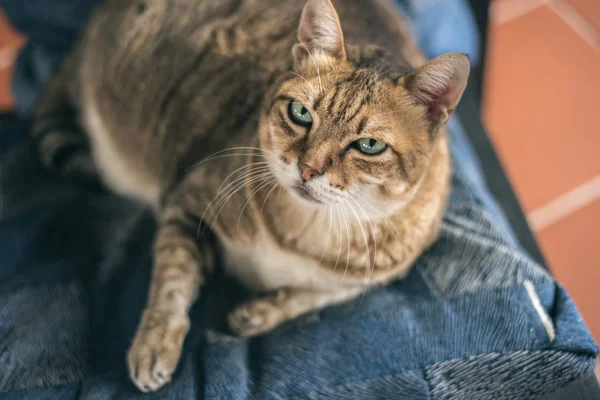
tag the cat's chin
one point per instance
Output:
(305, 196)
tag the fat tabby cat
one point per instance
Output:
(306, 139)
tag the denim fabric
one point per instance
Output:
(443, 26)
(476, 318)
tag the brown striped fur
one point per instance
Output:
(184, 106)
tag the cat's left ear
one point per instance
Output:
(319, 33)
(439, 85)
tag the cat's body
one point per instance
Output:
(181, 102)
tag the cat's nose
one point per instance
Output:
(307, 172)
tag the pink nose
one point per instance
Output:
(307, 172)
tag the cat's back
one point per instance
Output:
(163, 83)
(155, 57)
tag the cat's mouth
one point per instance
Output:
(303, 192)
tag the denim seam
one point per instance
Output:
(542, 313)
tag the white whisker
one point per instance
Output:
(257, 180)
(372, 268)
(347, 223)
(275, 186)
(219, 154)
(364, 235)
(326, 243)
(247, 166)
(224, 191)
(259, 186)
(337, 211)
(315, 63)
(313, 91)
(393, 232)
(246, 179)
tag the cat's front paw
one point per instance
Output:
(156, 349)
(255, 317)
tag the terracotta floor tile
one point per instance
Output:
(541, 105)
(571, 246)
(6, 101)
(589, 9)
(7, 35)
(10, 42)
(506, 10)
(513, 1)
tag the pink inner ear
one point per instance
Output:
(306, 32)
(320, 30)
(446, 99)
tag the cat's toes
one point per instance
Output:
(255, 317)
(156, 349)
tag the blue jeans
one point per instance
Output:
(476, 318)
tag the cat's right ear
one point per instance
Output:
(319, 33)
(439, 85)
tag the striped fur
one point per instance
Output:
(184, 106)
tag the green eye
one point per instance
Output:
(299, 114)
(370, 146)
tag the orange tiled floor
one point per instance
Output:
(9, 44)
(541, 107)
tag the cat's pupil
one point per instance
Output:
(303, 111)
(372, 142)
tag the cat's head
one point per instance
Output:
(348, 125)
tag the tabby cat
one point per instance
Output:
(306, 147)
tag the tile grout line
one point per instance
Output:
(507, 11)
(565, 205)
(576, 21)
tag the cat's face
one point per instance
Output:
(346, 143)
(344, 133)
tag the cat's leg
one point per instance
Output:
(182, 260)
(56, 132)
(260, 315)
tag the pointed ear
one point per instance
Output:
(319, 32)
(439, 85)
